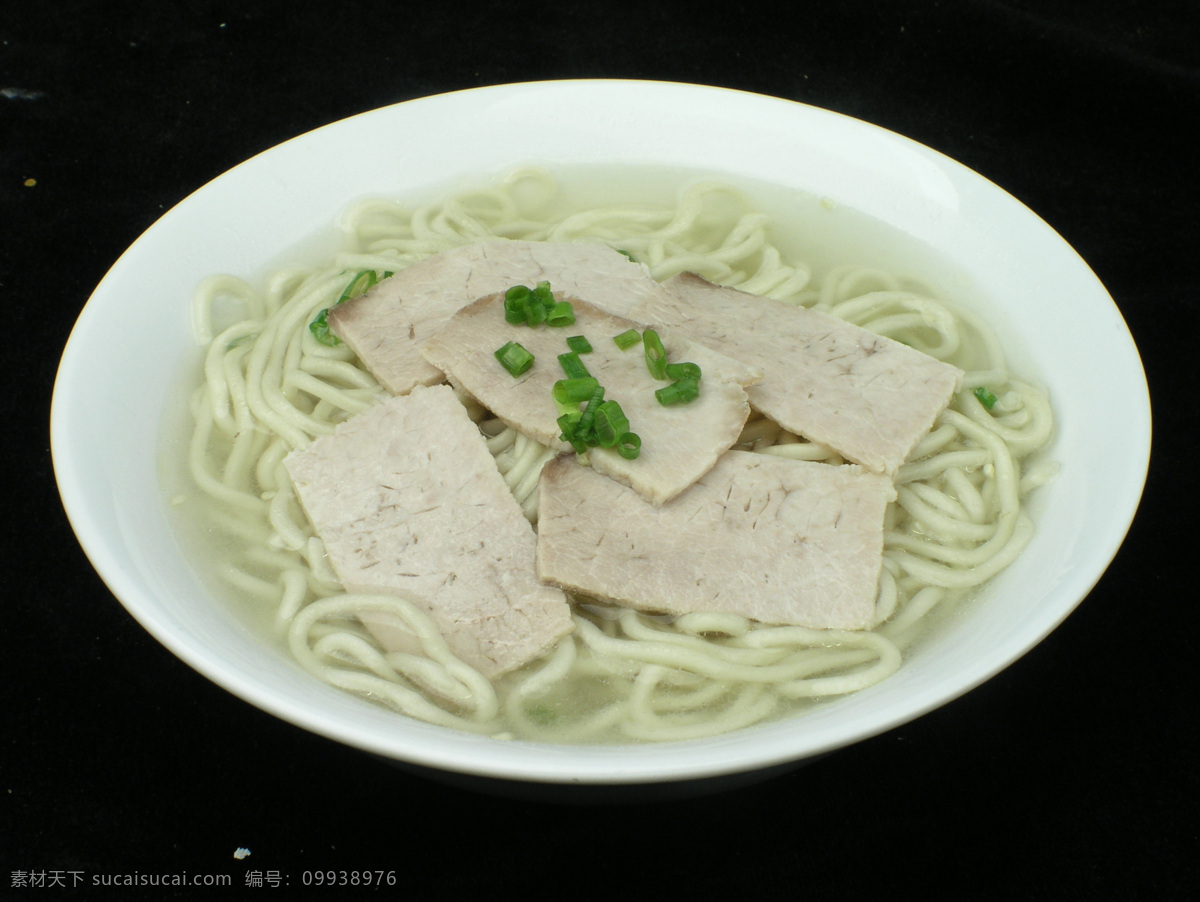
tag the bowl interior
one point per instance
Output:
(1053, 315)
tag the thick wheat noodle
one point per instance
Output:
(701, 623)
(224, 376)
(668, 654)
(689, 698)
(802, 451)
(229, 286)
(337, 369)
(344, 399)
(554, 670)
(477, 693)
(942, 464)
(965, 493)
(650, 716)
(943, 524)
(1021, 440)
(292, 535)
(199, 467)
(269, 471)
(295, 594)
(637, 629)
(269, 386)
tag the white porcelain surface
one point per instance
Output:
(118, 369)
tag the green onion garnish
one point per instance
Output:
(572, 365)
(535, 306)
(678, 392)
(683, 371)
(583, 431)
(568, 423)
(986, 398)
(576, 391)
(515, 301)
(535, 311)
(561, 314)
(319, 327)
(358, 285)
(514, 358)
(627, 339)
(629, 446)
(656, 354)
(579, 344)
(610, 424)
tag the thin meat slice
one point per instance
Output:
(868, 397)
(386, 326)
(679, 443)
(776, 540)
(408, 501)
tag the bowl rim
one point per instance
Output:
(440, 748)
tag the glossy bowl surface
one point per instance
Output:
(117, 374)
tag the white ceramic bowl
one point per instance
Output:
(117, 371)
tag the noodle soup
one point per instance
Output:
(268, 386)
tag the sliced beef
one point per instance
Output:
(868, 397)
(776, 540)
(386, 326)
(679, 443)
(408, 501)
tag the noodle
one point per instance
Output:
(268, 386)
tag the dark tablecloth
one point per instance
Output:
(1072, 775)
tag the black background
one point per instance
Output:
(1073, 775)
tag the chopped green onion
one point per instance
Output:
(627, 339)
(568, 423)
(561, 314)
(575, 391)
(515, 301)
(358, 285)
(678, 392)
(683, 371)
(532, 306)
(319, 328)
(656, 354)
(610, 424)
(629, 445)
(514, 358)
(535, 311)
(583, 431)
(986, 398)
(572, 365)
(579, 344)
